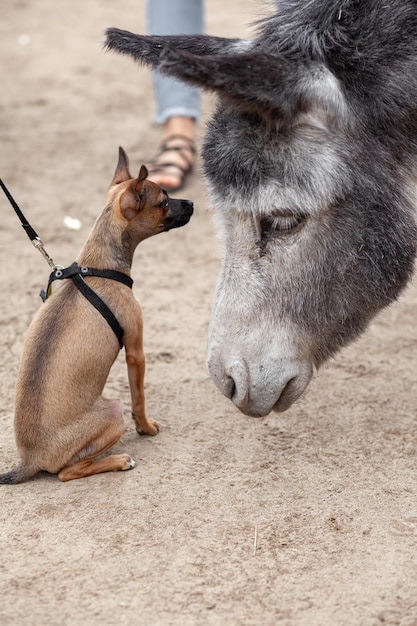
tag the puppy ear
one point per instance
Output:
(122, 170)
(134, 197)
(143, 174)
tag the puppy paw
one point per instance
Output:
(128, 462)
(151, 428)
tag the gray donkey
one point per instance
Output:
(310, 159)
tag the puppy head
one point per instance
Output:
(143, 206)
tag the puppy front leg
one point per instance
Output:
(135, 360)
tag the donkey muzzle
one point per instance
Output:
(258, 390)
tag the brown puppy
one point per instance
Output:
(62, 421)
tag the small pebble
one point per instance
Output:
(23, 39)
(72, 223)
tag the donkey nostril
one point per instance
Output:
(229, 387)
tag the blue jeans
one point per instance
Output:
(174, 17)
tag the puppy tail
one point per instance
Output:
(20, 474)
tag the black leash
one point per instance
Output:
(74, 272)
(31, 232)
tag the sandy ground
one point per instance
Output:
(308, 518)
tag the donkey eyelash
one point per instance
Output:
(281, 224)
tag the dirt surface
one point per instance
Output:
(308, 518)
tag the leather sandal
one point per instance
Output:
(162, 167)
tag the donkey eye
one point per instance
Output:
(283, 224)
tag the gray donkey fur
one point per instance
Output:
(310, 159)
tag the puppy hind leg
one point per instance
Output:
(89, 467)
(107, 415)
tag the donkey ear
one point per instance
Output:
(122, 170)
(270, 85)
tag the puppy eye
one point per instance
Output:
(283, 224)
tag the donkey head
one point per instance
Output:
(309, 160)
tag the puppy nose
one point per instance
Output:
(187, 207)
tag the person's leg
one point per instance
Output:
(177, 105)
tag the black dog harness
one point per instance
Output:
(76, 273)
